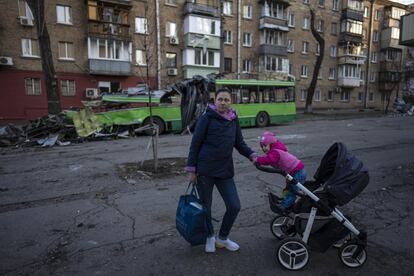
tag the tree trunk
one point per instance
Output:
(53, 101)
(319, 59)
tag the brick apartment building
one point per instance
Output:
(107, 45)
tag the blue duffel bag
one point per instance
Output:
(191, 217)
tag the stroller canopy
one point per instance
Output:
(342, 174)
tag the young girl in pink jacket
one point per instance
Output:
(277, 156)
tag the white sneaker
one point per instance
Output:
(228, 244)
(210, 245)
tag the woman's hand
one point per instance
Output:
(193, 177)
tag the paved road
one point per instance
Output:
(67, 211)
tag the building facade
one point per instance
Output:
(110, 45)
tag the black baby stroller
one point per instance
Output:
(314, 221)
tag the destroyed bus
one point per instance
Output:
(257, 103)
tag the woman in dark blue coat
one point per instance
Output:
(210, 163)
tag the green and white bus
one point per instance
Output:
(257, 103)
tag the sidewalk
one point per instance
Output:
(335, 114)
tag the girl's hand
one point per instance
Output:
(193, 177)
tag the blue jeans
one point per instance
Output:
(228, 192)
(290, 198)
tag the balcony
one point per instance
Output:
(278, 50)
(392, 66)
(193, 8)
(390, 38)
(349, 82)
(109, 67)
(351, 59)
(345, 37)
(387, 86)
(107, 30)
(389, 77)
(354, 14)
(198, 40)
(275, 23)
(284, 2)
(407, 29)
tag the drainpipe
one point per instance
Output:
(157, 16)
(238, 37)
(368, 52)
(221, 38)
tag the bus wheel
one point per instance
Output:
(157, 121)
(262, 119)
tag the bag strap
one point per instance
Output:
(193, 190)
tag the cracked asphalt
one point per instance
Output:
(68, 211)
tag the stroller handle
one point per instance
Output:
(270, 170)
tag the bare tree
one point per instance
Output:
(53, 101)
(319, 59)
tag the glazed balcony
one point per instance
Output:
(199, 40)
(392, 66)
(107, 30)
(390, 38)
(274, 23)
(345, 37)
(353, 14)
(278, 50)
(349, 82)
(109, 67)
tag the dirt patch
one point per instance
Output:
(167, 167)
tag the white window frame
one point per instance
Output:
(372, 76)
(227, 8)
(318, 49)
(67, 14)
(247, 11)
(27, 45)
(345, 95)
(377, 14)
(140, 57)
(228, 37)
(371, 97)
(65, 44)
(375, 36)
(305, 47)
(291, 46)
(247, 39)
(171, 29)
(333, 51)
(27, 11)
(335, 5)
(331, 96)
(247, 66)
(332, 74)
(291, 19)
(70, 86)
(366, 11)
(303, 95)
(34, 83)
(205, 57)
(317, 95)
(307, 2)
(306, 23)
(141, 25)
(304, 71)
(374, 57)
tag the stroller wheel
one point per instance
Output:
(282, 227)
(346, 255)
(292, 254)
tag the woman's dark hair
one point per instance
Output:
(223, 90)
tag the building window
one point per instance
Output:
(247, 66)
(141, 57)
(204, 58)
(291, 69)
(141, 26)
(306, 23)
(345, 96)
(371, 96)
(247, 11)
(171, 29)
(67, 87)
(291, 21)
(321, 3)
(227, 37)
(32, 86)
(247, 39)
(351, 26)
(303, 94)
(318, 49)
(364, 33)
(305, 47)
(304, 71)
(375, 36)
(228, 65)
(30, 47)
(335, 5)
(291, 46)
(334, 28)
(362, 75)
(24, 10)
(66, 50)
(372, 76)
(320, 26)
(332, 74)
(360, 96)
(171, 60)
(227, 7)
(273, 63)
(171, 2)
(317, 95)
(105, 49)
(331, 96)
(273, 9)
(333, 51)
(373, 57)
(306, 1)
(377, 15)
(64, 14)
(366, 12)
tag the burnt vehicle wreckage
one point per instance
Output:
(62, 129)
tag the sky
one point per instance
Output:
(406, 2)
